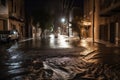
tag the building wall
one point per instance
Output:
(97, 20)
(16, 16)
(111, 18)
(3, 14)
(90, 12)
(106, 19)
(12, 15)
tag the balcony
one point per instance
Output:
(15, 17)
(109, 7)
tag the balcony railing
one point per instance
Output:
(109, 7)
(108, 3)
(16, 17)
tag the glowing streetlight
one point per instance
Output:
(62, 24)
(63, 20)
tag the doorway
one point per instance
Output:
(112, 32)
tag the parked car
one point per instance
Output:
(6, 36)
(14, 35)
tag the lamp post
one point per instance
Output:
(63, 22)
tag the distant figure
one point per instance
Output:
(56, 34)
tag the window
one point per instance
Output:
(5, 24)
(15, 8)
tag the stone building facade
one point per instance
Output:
(12, 15)
(3, 15)
(110, 21)
(106, 23)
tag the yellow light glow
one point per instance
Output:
(84, 43)
(70, 24)
(86, 23)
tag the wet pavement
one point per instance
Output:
(59, 58)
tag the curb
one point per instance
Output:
(25, 40)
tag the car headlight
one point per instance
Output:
(15, 32)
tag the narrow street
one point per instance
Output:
(59, 58)
(59, 39)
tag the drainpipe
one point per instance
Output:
(93, 19)
(117, 32)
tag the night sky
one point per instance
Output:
(53, 6)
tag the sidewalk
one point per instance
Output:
(98, 50)
(107, 44)
(25, 39)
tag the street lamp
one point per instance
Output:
(62, 20)
(63, 24)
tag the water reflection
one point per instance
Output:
(48, 42)
(13, 47)
(59, 42)
(14, 63)
(14, 52)
(16, 71)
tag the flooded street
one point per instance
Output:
(59, 39)
(59, 58)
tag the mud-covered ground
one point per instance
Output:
(36, 60)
